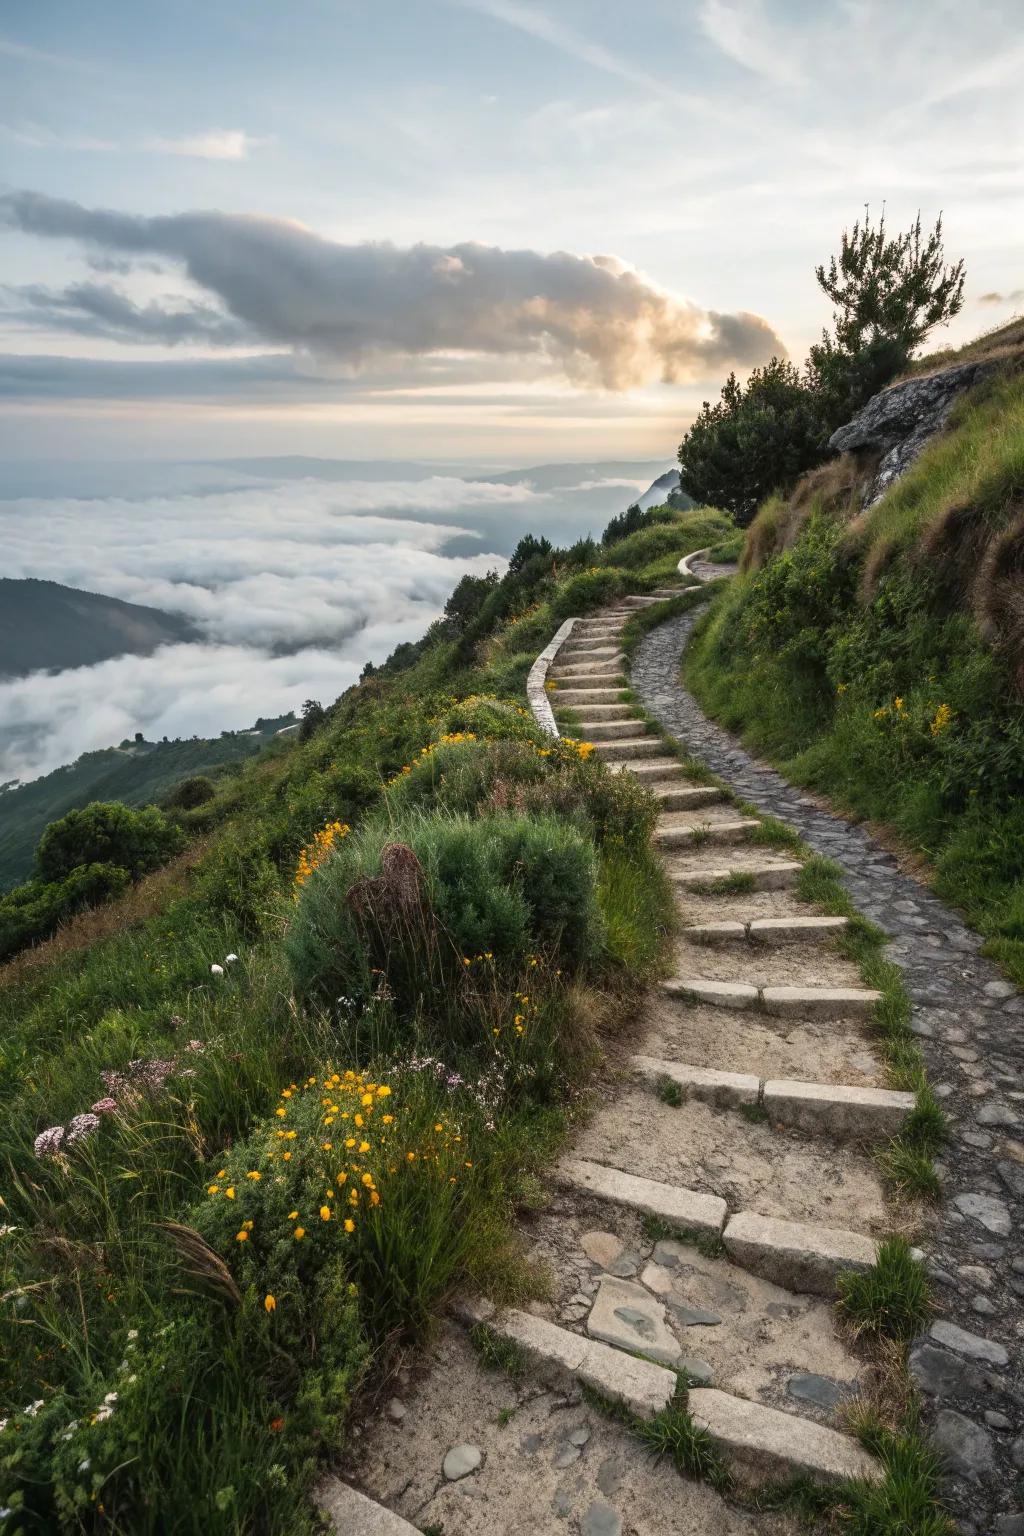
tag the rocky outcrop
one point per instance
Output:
(898, 422)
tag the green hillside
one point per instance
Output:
(45, 627)
(418, 923)
(136, 773)
(878, 656)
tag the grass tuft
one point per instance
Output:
(890, 1300)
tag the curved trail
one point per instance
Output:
(970, 1020)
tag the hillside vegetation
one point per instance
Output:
(293, 1090)
(878, 656)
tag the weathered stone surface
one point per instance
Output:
(819, 1002)
(601, 1520)
(684, 834)
(991, 1213)
(965, 1446)
(764, 1443)
(831, 1109)
(718, 994)
(899, 421)
(686, 1208)
(938, 1373)
(601, 1247)
(629, 1317)
(790, 930)
(715, 933)
(799, 1255)
(766, 876)
(969, 1344)
(726, 1089)
(353, 1514)
(460, 1461)
(822, 1391)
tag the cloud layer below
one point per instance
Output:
(592, 317)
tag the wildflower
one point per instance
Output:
(80, 1127)
(299, 1234)
(325, 1213)
(216, 970)
(269, 1302)
(275, 1426)
(254, 1174)
(350, 1225)
(899, 704)
(230, 1191)
(242, 1237)
(842, 687)
(230, 959)
(48, 1143)
(943, 716)
(280, 1112)
(364, 1146)
(104, 1106)
(212, 1189)
(293, 1215)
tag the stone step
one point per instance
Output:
(641, 1386)
(608, 730)
(650, 770)
(783, 1002)
(686, 1209)
(687, 797)
(600, 674)
(578, 666)
(762, 1443)
(765, 876)
(587, 650)
(641, 602)
(635, 746)
(598, 714)
(833, 1110)
(800, 1255)
(686, 833)
(766, 930)
(597, 697)
(728, 1090)
(351, 1513)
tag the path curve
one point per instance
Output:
(970, 1020)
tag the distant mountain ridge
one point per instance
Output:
(46, 627)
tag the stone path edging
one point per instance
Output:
(536, 691)
(968, 1018)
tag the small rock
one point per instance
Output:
(976, 1274)
(566, 1457)
(657, 1279)
(966, 1447)
(1017, 1452)
(1012, 1175)
(983, 1306)
(993, 1214)
(969, 1344)
(529, 1445)
(625, 1266)
(999, 989)
(822, 1391)
(601, 1248)
(460, 1461)
(997, 1420)
(1010, 1525)
(580, 1436)
(696, 1369)
(601, 1520)
(692, 1317)
(980, 1139)
(610, 1474)
(997, 1114)
(561, 1504)
(631, 1318)
(397, 1410)
(668, 1253)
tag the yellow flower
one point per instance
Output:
(364, 1146)
(286, 1157)
(410, 1157)
(254, 1174)
(269, 1302)
(280, 1112)
(842, 687)
(898, 703)
(325, 1213)
(293, 1215)
(350, 1225)
(242, 1237)
(943, 717)
(366, 1100)
(213, 1188)
(389, 1119)
(230, 1192)
(299, 1234)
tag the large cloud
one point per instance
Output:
(595, 318)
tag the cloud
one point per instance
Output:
(97, 309)
(218, 144)
(214, 144)
(740, 32)
(1015, 296)
(597, 319)
(31, 55)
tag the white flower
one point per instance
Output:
(5, 1512)
(111, 1397)
(133, 1333)
(5, 1231)
(3, 1425)
(230, 959)
(33, 1408)
(216, 970)
(83, 1466)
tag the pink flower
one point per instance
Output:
(48, 1143)
(104, 1106)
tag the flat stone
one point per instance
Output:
(786, 930)
(580, 1436)
(685, 1208)
(625, 1266)
(715, 933)
(561, 1503)
(993, 1214)
(822, 1391)
(601, 1520)
(629, 1317)
(1009, 1525)
(352, 1514)
(938, 1373)
(764, 1442)
(997, 1114)
(997, 1420)
(717, 994)
(397, 1410)
(566, 1457)
(657, 1278)
(1012, 1175)
(610, 1474)
(966, 1447)
(819, 1002)
(999, 989)
(460, 1461)
(601, 1248)
(696, 1369)
(831, 1109)
(531, 1444)
(969, 1344)
(692, 1317)
(727, 1090)
(801, 1256)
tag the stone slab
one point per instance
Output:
(715, 933)
(718, 994)
(624, 751)
(687, 797)
(352, 1514)
(687, 1209)
(704, 833)
(819, 1002)
(835, 1110)
(799, 1255)
(765, 1443)
(726, 1089)
(788, 930)
(766, 877)
(630, 1318)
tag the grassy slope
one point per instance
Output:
(137, 775)
(874, 660)
(226, 1400)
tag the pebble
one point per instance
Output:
(566, 1457)
(966, 1446)
(976, 1274)
(997, 1420)
(610, 1474)
(970, 1344)
(982, 1305)
(692, 1317)
(820, 1390)
(397, 1410)
(601, 1248)
(561, 1504)
(601, 1520)
(529, 1445)
(460, 1461)
(580, 1436)
(997, 1114)
(940, 1374)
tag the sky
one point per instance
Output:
(483, 231)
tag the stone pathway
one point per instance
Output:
(969, 1019)
(703, 1214)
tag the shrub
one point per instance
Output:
(626, 523)
(107, 832)
(590, 589)
(33, 911)
(190, 793)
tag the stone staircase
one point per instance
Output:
(698, 1226)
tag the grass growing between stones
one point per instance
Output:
(657, 1230)
(890, 1300)
(496, 1353)
(672, 1433)
(670, 1092)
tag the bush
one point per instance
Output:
(408, 902)
(588, 590)
(626, 523)
(190, 793)
(33, 911)
(107, 832)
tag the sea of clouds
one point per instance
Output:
(293, 585)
